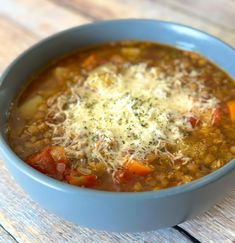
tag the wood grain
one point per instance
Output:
(217, 223)
(22, 23)
(28, 222)
(219, 12)
(5, 236)
(99, 9)
(14, 39)
(43, 20)
(156, 9)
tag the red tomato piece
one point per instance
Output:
(58, 154)
(44, 162)
(193, 120)
(122, 175)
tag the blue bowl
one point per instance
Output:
(115, 211)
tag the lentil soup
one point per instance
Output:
(126, 116)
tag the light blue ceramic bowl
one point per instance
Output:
(115, 211)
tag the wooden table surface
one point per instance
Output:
(24, 22)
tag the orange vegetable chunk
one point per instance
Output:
(231, 108)
(138, 168)
(89, 62)
(84, 180)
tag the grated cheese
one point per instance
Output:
(131, 110)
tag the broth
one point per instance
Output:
(126, 116)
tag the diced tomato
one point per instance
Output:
(216, 116)
(58, 154)
(61, 167)
(44, 162)
(193, 120)
(122, 175)
(84, 180)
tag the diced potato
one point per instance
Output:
(29, 107)
(137, 187)
(130, 51)
(232, 149)
(61, 73)
(61, 76)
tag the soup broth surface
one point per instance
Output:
(126, 116)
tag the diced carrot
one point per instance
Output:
(138, 168)
(89, 62)
(85, 180)
(133, 168)
(231, 108)
(216, 116)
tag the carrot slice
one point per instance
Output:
(138, 168)
(231, 108)
(85, 180)
(132, 168)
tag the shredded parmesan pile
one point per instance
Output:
(134, 110)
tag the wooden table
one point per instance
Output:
(24, 22)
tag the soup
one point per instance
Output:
(126, 116)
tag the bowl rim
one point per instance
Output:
(11, 157)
